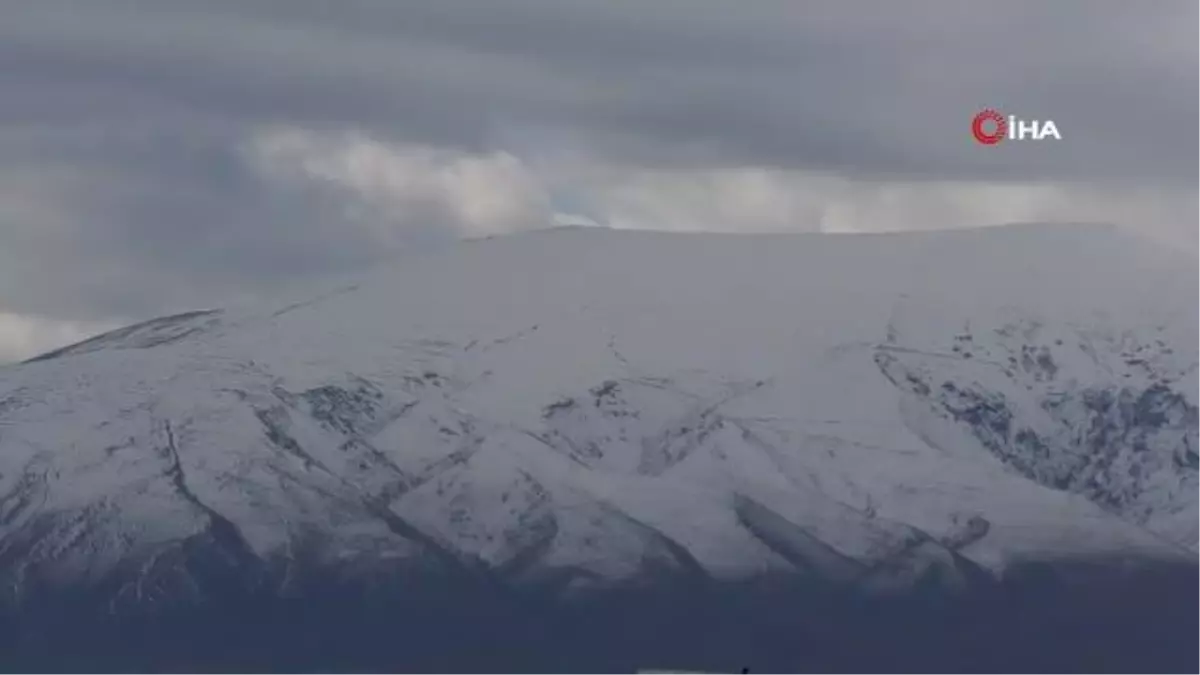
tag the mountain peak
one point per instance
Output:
(565, 414)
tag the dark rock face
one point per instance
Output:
(1128, 446)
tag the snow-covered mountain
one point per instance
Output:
(580, 408)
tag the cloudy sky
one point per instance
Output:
(164, 155)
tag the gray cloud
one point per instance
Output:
(134, 177)
(868, 88)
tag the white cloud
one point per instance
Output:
(767, 200)
(729, 200)
(23, 337)
(500, 191)
(475, 194)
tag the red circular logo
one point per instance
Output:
(981, 122)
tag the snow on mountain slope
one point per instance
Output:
(581, 406)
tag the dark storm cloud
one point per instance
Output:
(859, 86)
(125, 190)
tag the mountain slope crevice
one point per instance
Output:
(806, 553)
(1122, 446)
(225, 533)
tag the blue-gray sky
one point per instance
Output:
(161, 155)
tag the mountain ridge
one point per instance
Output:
(587, 409)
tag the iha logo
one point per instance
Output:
(990, 127)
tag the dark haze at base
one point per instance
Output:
(1083, 616)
